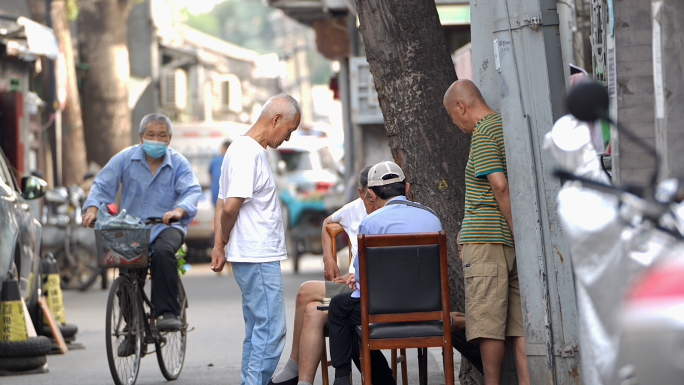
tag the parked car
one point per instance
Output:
(20, 235)
(314, 189)
(199, 143)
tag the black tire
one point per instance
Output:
(34, 346)
(68, 330)
(123, 321)
(22, 363)
(82, 272)
(171, 346)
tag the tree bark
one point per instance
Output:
(74, 163)
(106, 116)
(412, 69)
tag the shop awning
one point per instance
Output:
(27, 39)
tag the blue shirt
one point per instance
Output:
(145, 195)
(215, 171)
(395, 219)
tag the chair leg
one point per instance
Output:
(448, 353)
(324, 365)
(404, 369)
(422, 366)
(394, 364)
(366, 366)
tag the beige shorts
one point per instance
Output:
(333, 288)
(493, 308)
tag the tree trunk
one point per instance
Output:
(74, 163)
(412, 70)
(106, 116)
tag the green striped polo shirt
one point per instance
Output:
(483, 222)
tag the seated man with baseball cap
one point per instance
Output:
(395, 215)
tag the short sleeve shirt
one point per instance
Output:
(350, 217)
(483, 221)
(258, 234)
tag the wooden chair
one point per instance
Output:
(334, 229)
(405, 298)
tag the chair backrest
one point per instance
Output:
(404, 273)
(334, 229)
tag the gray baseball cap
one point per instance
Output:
(383, 169)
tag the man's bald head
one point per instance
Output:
(464, 91)
(465, 105)
(282, 104)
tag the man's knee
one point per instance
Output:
(310, 291)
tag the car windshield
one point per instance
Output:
(297, 160)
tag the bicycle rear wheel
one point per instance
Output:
(171, 345)
(123, 332)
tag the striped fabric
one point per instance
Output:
(483, 222)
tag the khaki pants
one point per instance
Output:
(493, 307)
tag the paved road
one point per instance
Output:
(214, 347)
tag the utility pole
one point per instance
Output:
(53, 108)
(528, 62)
(668, 60)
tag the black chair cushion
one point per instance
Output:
(404, 329)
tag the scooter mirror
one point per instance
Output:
(588, 102)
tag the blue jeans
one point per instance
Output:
(263, 307)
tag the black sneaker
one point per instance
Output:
(127, 347)
(169, 322)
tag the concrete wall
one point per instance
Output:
(375, 144)
(633, 53)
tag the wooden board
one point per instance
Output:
(56, 332)
(29, 322)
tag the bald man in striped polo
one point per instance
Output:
(493, 307)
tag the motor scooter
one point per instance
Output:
(622, 239)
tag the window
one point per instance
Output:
(297, 160)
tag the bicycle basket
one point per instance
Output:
(127, 248)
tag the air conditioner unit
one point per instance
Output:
(365, 108)
(228, 91)
(173, 88)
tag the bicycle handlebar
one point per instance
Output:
(147, 221)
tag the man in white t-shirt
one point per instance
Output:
(308, 339)
(254, 240)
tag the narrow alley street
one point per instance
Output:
(214, 347)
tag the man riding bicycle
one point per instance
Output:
(156, 181)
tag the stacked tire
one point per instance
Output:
(24, 355)
(18, 351)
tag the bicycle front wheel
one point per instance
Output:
(123, 332)
(171, 345)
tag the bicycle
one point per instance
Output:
(77, 261)
(130, 315)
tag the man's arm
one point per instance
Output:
(229, 213)
(331, 270)
(190, 191)
(218, 254)
(105, 187)
(499, 184)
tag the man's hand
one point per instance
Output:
(351, 281)
(90, 216)
(342, 279)
(218, 257)
(331, 271)
(458, 320)
(176, 213)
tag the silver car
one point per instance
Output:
(20, 235)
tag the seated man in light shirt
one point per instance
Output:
(395, 215)
(308, 340)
